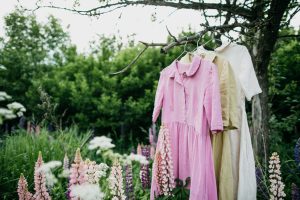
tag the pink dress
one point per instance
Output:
(191, 108)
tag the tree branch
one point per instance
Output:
(180, 41)
(234, 9)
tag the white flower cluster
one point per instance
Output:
(2, 67)
(13, 109)
(87, 191)
(115, 180)
(4, 96)
(277, 186)
(139, 158)
(7, 114)
(101, 143)
(47, 169)
(17, 108)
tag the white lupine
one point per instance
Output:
(277, 186)
(94, 171)
(115, 180)
(66, 165)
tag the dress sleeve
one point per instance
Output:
(247, 75)
(212, 102)
(158, 98)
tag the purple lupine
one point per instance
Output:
(129, 192)
(146, 151)
(297, 153)
(145, 176)
(145, 171)
(262, 188)
(295, 192)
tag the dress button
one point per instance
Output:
(184, 74)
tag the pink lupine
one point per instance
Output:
(77, 170)
(40, 188)
(23, 192)
(152, 152)
(157, 169)
(139, 150)
(164, 163)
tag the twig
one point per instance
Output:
(132, 62)
(288, 36)
(172, 36)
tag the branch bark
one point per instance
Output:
(231, 8)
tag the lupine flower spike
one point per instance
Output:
(277, 186)
(116, 182)
(77, 174)
(139, 150)
(94, 172)
(164, 163)
(66, 162)
(23, 192)
(76, 171)
(129, 182)
(145, 171)
(40, 181)
(151, 136)
(152, 152)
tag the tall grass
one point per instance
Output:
(19, 151)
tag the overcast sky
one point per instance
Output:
(134, 21)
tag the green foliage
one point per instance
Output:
(18, 154)
(284, 97)
(284, 90)
(89, 96)
(28, 50)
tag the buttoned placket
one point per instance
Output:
(183, 79)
